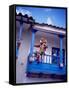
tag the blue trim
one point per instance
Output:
(16, 51)
(33, 40)
(34, 67)
(21, 29)
(61, 51)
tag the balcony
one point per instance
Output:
(45, 65)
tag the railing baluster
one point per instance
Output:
(47, 58)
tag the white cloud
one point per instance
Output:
(49, 21)
(23, 11)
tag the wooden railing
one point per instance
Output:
(45, 58)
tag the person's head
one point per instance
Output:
(43, 41)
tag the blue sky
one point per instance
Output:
(52, 16)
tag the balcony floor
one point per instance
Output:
(45, 68)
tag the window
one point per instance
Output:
(56, 55)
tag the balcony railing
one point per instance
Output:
(45, 59)
(45, 64)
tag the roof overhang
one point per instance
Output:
(50, 29)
